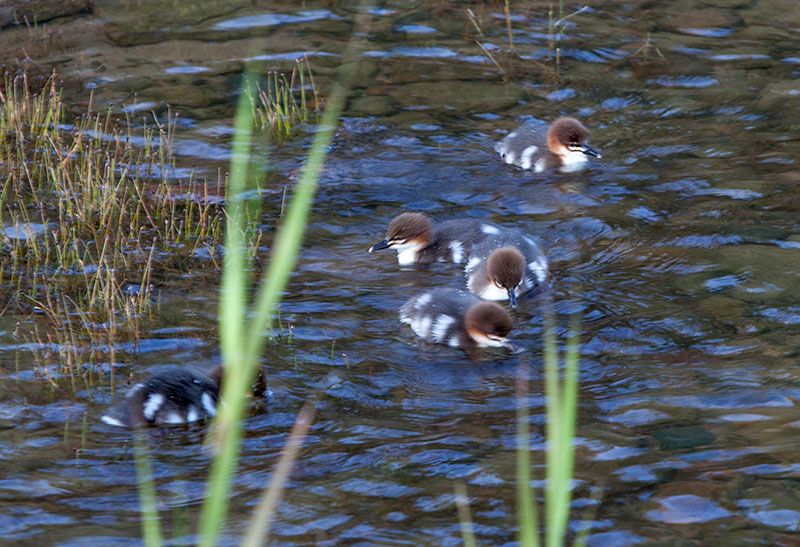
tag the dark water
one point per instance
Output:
(681, 249)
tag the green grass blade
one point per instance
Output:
(526, 502)
(241, 354)
(290, 233)
(151, 528)
(560, 430)
(232, 302)
(232, 325)
(462, 505)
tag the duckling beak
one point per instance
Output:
(380, 245)
(512, 297)
(589, 151)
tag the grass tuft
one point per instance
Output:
(89, 213)
(285, 104)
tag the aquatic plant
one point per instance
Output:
(506, 61)
(561, 397)
(242, 327)
(511, 65)
(89, 213)
(282, 104)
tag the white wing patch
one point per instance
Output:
(111, 421)
(152, 405)
(192, 415)
(134, 389)
(539, 166)
(527, 156)
(454, 342)
(208, 404)
(539, 269)
(422, 300)
(440, 327)
(422, 325)
(458, 251)
(472, 263)
(489, 230)
(174, 418)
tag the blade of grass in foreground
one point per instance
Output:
(462, 504)
(151, 528)
(242, 349)
(258, 531)
(560, 431)
(527, 514)
(232, 323)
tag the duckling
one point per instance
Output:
(564, 145)
(173, 395)
(416, 240)
(506, 265)
(458, 319)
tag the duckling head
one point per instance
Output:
(488, 324)
(506, 268)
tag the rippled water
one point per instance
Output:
(679, 247)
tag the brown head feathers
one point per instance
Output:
(506, 266)
(490, 319)
(565, 131)
(408, 226)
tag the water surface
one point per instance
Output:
(679, 248)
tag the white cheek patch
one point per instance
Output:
(440, 327)
(527, 156)
(484, 341)
(509, 158)
(152, 405)
(489, 230)
(458, 251)
(406, 254)
(208, 404)
(493, 292)
(573, 160)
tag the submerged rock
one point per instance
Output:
(38, 11)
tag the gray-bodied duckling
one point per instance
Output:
(506, 265)
(564, 145)
(458, 319)
(173, 395)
